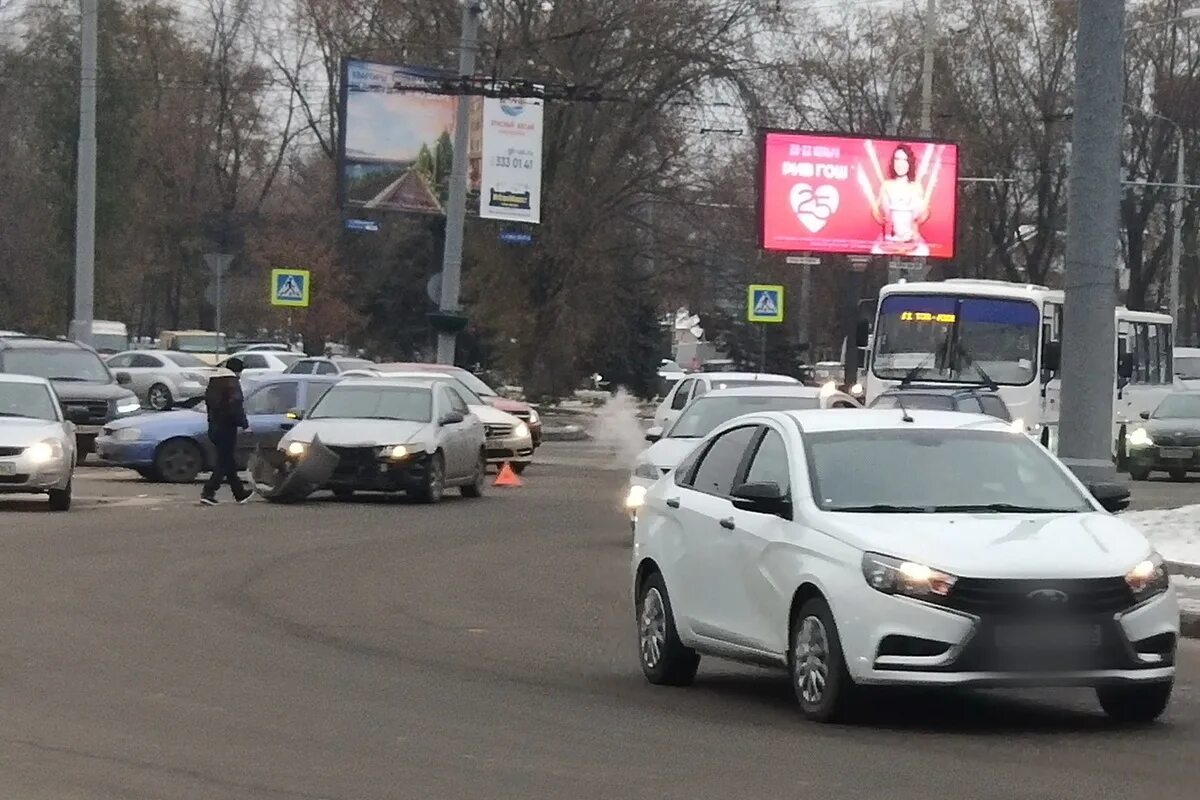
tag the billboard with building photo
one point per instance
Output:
(397, 141)
(851, 195)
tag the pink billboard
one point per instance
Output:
(825, 193)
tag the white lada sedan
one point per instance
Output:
(37, 444)
(908, 548)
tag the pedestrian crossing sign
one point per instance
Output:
(764, 303)
(289, 287)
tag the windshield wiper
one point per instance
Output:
(882, 508)
(969, 361)
(1003, 508)
(68, 379)
(7, 414)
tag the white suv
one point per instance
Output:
(908, 548)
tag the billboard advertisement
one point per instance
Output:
(397, 142)
(850, 195)
(510, 186)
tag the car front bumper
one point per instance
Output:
(19, 476)
(515, 449)
(1162, 458)
(1136, 645)
(134, 455)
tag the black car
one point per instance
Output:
(967, 399)
(89, 393)
(1169, 441)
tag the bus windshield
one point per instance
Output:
(957, 339)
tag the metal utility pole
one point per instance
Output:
(456, 211)
(1088, 357)
(927, 69)
(85, 203)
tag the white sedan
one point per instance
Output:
(261, 363)
(37, 445)
(922, 549)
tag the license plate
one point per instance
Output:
(1176, 452)
(1052, 637)
(8, 468)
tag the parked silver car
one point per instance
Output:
(384, 436)
(37, 445)
(162, 378)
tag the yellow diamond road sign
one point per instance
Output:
(764, 303)
(289, 287)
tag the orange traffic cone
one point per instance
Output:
(507, 478)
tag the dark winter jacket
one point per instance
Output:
(224, 400)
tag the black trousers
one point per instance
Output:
(224, 439)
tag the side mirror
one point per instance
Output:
(762, 498)
(452, 418)
(1112, 497)
(654, 434)
(1052, 357)
(124, 379)
(1145, 415)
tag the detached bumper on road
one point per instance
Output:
(900, 641)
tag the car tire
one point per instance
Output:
(60, 499)
(343, 494)
(159, 397)
(665, 660)
(434, 486)
(820, 680)
(150, 474)
(1139, 474)
(1139, 703)
(1179, 475)
(475, 488)
(178, 461)
(519, 467)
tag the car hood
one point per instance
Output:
(667, 453)
(490, 415)
(179, 421)
(505, 404)
(16, 432)
(72, 391)
(1090, 545)
(1172, 426)
(359, 432)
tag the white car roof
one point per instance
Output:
(879, 419)
(765, 377)
(768, 390)
(12, 378)
(384, 383)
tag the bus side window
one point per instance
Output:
(1153, 355)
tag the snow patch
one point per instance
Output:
(1174, 532)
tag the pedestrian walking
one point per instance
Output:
(226, 415)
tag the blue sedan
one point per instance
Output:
(173, 446)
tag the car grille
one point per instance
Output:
(1011, 598)
(352, 460)
(499, 431)
(14, 479)
(11, 451)
(1177, 439)
(97, 411)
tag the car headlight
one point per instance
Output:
(636, 498)
(127, 435)
(44, 452)
(296, 449)
(896, 576)
(1141, 438)
(398, 452)
(534, 417)
(647, 471)
(128, 406)
(521, 431)
(1148, 578)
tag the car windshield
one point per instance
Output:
(1188, 367)
(67, 364)
(408, 403)
(1179, 406)
(200, 344)
(110, 342)
(937, 471)
(30, 400)
(184, 360)
(956, 339)
(474, 384)
(699, 419)
(930, 402)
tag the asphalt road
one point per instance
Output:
(151, 648)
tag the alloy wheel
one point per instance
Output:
(652, 628)
(811, 660)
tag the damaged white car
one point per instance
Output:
(388, 436)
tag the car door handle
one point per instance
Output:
(673, 502)
(727, 524)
